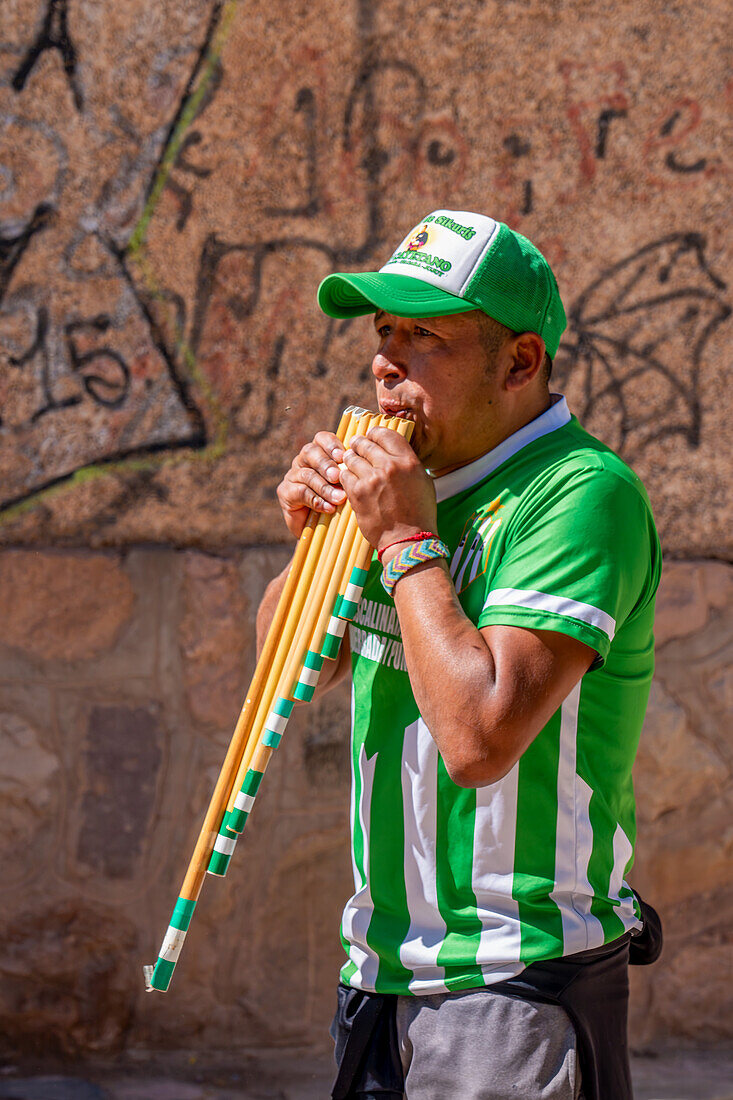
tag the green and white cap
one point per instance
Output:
(451, 262)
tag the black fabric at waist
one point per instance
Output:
(593, 988)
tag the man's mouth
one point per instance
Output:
(390, 409)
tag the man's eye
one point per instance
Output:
(383, 331)
(422, 331)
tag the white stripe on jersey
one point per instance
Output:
(561, 605)
(583, 896)
(360, 907)
(573, 923)
(622, 853)
(419, 950)
(492, 878)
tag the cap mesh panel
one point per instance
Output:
(514, 285)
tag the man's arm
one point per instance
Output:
(484, 694)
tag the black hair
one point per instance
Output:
(494, 334)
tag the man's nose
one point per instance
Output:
(388, 366)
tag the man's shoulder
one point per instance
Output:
(564, 469)
(573, 460)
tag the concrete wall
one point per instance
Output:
(174, 181)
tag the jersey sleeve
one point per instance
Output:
(580, 557)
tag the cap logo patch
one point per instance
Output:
(411, 252)
(443, 249)
(419, 240)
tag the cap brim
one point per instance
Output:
(347, 295)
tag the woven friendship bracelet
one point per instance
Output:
(407, 559)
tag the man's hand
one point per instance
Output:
(312, 482)
(389, 491)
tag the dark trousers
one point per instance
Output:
(592, 987)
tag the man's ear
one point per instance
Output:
(527, 351)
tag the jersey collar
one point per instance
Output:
(449, 485)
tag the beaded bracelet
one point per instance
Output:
(407, 559)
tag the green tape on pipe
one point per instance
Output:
(182, 914)
(162, 974)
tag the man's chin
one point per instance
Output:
(421, 446)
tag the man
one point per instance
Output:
(492, 807)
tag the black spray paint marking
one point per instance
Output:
(618, 336)
(53, 35)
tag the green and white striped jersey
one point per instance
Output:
(457, 888)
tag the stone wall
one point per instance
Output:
(174, 181)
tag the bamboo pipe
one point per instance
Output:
(357, 570)
(245, 736)
(335, 523)
(302, 687)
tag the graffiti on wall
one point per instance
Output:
(636, 341)
(120, 356)
(86, 377)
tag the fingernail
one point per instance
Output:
(332, 473)
(338, 494)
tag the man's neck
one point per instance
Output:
(507, 428)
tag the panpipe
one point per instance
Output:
(320, 596)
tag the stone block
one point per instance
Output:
(62, 606)
(31, 781)
(290, 884)
(673, 766)
(688, 593)
(216, 639)
(122, 757)
(64, 980)
(698, 975)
